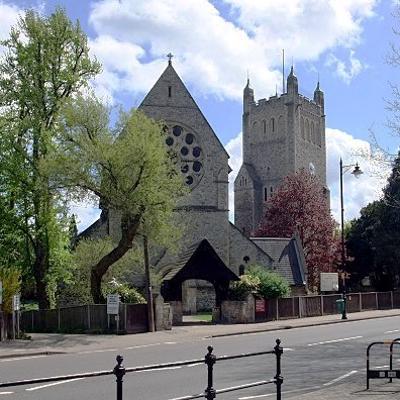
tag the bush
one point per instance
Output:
(272, 285)
(127, 294)
(239, 290)
(11, 280)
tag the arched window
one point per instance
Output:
(241, 270)
(264, 126)
(303, 136)
(319, 135)
(272, 125)
(265, 194)
(281, 125)
(271, 190)
(307, 130)
(312, 133)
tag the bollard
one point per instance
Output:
(119, 372)
(278, 377)
(210, 360)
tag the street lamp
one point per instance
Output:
(357, 173)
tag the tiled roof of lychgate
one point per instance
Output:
(186, 265)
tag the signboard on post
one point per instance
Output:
(329, 282)
(16, 302)
(113, 304)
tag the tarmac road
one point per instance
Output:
(315, 357)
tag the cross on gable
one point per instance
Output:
(170, 55)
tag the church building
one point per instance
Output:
(212, 248)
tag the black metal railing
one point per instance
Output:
(210, 360)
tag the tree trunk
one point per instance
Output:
(129, 227)
(39, 270)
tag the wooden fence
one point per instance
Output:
(132, 318)
(315, 305)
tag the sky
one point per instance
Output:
(217, 43)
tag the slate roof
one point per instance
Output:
(186, 266)
(287, 254)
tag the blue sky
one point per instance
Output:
(216, 42)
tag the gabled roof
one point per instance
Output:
(199, 261)
(249, 168)
(249, 241)
(182, 99)
(288, 256)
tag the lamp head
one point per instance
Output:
(357, 171)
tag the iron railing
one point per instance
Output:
(210, 360)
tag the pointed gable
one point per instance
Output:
(169, 99)
(168, 91)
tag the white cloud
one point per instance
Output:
(357, 192)
(213, 51)
(345, 72)
(8, 17)
(234, 149)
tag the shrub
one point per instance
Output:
(11, 280)
(127, 294)
(239, 290)
(272, 285)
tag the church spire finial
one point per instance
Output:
(170, 55)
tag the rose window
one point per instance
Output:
(185, 144)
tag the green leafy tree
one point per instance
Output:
(373, 241)
(46, 61)
(128, 168)
(128, 270)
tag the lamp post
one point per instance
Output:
(356, 172)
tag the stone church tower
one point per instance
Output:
(280, 136)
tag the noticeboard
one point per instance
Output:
(260, 306)
(329, 282)
(112, 304)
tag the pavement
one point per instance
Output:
(53, 343)
(351, 391)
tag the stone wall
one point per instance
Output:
(205, 298)
(162, 314)
(177, 314)
(238, 312)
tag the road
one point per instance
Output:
(314, 357)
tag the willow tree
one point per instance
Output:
(127, 168)
(46, 61)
